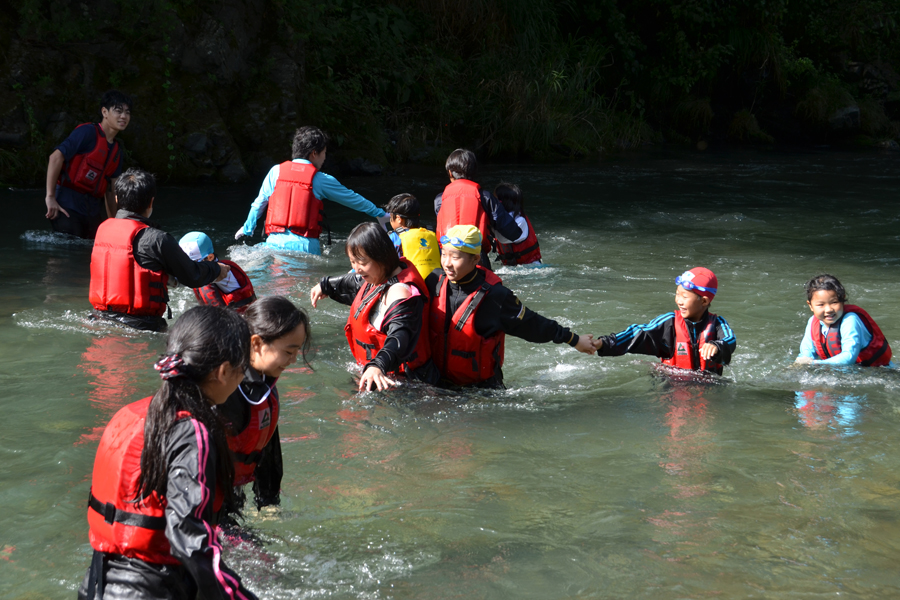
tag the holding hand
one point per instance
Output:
(585, 344)
(316, 294)
(374, 376)
(708, 350)
(598, 343)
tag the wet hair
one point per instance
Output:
(135, 189)
(825, 282)
(406, 207)
(274, 317)
(308, 140)
(201, 340)
(510, 196)
(372, 240)
(116, 99)
(462, 164)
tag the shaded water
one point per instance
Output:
(588, 477)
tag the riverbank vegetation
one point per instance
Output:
(220, 86)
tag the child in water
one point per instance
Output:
(163, 469)
(235, 291)
(411, 240)
(840, 333)
(525, 249)
(689, 338)
(279, 332)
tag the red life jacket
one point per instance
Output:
(461, 205)
(119, 524)
(239, 299)
(247, 445)
(118, 282)
(687, 354)
(365, 341)
(88, 173)
(292, 204)
(459, 352)
(876, 354)
(523, 253)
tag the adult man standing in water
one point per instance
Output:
(82, 169)
(293, 192)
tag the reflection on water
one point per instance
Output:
(588, 477)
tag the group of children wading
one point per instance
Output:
(423, 306)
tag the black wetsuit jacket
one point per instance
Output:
(402, 324)
(235, 413)
(156, 250)
(500, 311)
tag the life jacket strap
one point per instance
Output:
(519, 254)
(111, 515)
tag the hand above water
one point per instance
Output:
(585, 344)
(316, 294)
(598, 343)
(224, 270)
(803, 360)
(53, 208)
(375, 376)
(239, 234)
(708, 350)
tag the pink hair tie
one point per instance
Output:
(170, 365)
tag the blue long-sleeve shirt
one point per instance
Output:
(854, 338)
(324, 187)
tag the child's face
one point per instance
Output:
(691, 304)
(826, 306)
(456, 263)
(273, 358)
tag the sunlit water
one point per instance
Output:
(588, 477)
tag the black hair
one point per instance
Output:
(510, 196)
(308, 140)
(825, 282)
(273, 317)
(135, 189)
(406, 207)
(371, 239)
(204, 338)
(462, 164)
(116, 99)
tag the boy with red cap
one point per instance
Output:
(689, 338)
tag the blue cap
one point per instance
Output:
(197, 245)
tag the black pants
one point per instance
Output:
(117, 577)
(77, 224)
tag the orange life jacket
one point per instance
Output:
(292, 204)
(118, 282)
(88, 173)
(120, 524)
(459, 352)
(876, 354)
(523, 253)
(461, 205)
(239, 299)
(687, 353)
(247, 445)
(365, 341)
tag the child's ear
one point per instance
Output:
(809, 305)
(706, 300)
(256, 344)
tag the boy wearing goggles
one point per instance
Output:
(689, 338)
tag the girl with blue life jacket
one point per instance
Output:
(387, 328)
(235, 291)
(279, 333)
(163, 469)
(525, 249)
(839, 333)
(689, 338)
(411, 240)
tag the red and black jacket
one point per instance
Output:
(239, 299)
(687, 352)
(462, 355)
(523, 253)
(876, 354)
(366, 341)
(292, 204)
(120, 523)
(461, 205)
(89, 173)
(118, 283)
(260, 426)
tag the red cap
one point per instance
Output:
(699, 280)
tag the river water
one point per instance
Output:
(588, 477)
